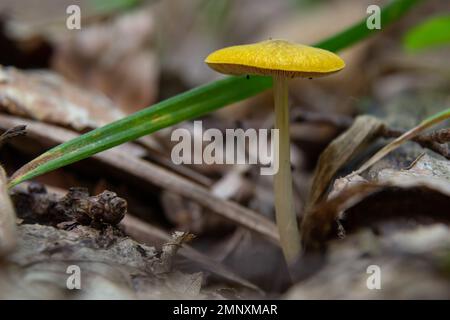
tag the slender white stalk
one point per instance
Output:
(284, 206)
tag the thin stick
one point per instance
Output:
(410, 134)
(11, 133)
(284, 206)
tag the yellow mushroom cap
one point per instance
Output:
(275, 57)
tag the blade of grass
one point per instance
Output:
(427, 123)
(147, 173)
(185, 106)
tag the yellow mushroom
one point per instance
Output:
(282, 60)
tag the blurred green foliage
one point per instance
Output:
(433, 32)
(107, 6)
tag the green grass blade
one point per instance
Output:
(188, 105)
(185, 106)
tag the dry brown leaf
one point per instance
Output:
(187, 285)
(47, 97)
(112, 267)
(339, 152)
(420, 194)
(127, 71)
(413, 265)
(146, 233)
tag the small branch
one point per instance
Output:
(337, 120)
(435, 141)
(440, 136)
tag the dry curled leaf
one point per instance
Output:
(339, 152)
(363, 130)
(418, 195)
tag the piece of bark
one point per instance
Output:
(146, 233)
(111, 267)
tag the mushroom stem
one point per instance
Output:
(284, 206)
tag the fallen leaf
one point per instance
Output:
(112, 267)
(412, 264)
(47, 97)
(420, 194)
(339, 152)
(127, 71)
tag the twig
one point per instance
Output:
(19, 130)
(337, 120)
(435, 141)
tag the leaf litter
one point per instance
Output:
(395, 215)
